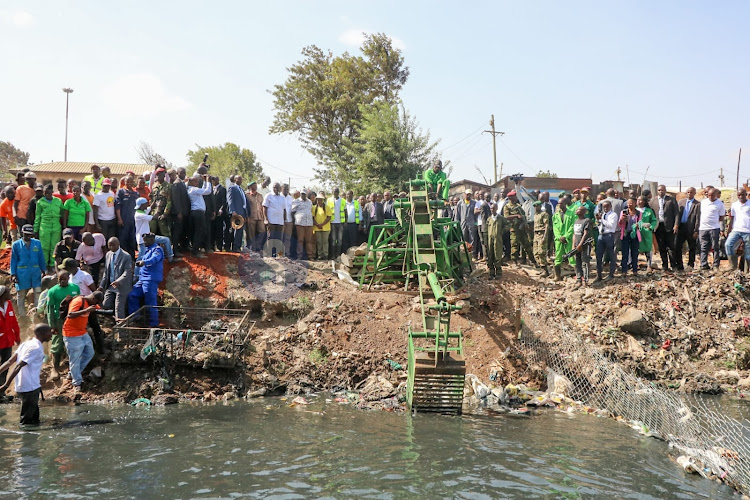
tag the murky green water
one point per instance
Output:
(266, 449)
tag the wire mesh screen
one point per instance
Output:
(715, 444)
(191, 336)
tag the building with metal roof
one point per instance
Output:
(50, 172)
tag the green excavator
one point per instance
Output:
(426, 252)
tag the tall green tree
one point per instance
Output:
(225, 160)
(11, 157)
(390, 149)
(320, 101)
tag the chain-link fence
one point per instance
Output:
(716, 444)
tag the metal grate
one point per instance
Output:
(717, 444)
(189, 336)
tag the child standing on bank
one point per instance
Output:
(10, 333)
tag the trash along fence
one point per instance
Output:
(711, 443)
(212, 338)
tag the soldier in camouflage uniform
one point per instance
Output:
(161, 204)
(542, 229)
(496, 226)
(514, 214)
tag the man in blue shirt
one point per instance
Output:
(152, 273)
(125, 212)
(237, 205)
(27, 265)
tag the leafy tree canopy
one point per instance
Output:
(388, 151)
(546, 175)
(321, 100)
(225, 160)
(11, 157)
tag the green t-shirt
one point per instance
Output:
(55, 296)
(433, 178)
(77, 212)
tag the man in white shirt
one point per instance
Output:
(608, 226)
(739, 228)
(198, 224)
(28, 359)
(274, 213)
(288, 220)
(104, 210)
(712, 213)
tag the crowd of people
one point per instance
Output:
(615, 229)
(97, 246)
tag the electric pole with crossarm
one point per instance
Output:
(494, 147)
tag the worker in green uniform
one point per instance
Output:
(55, 296)
(562, 227)
(496, 226)
(437, 181)
(519, 238)
(48, 223)
(541, 235)
(161, 204)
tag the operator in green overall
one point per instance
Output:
(437, 181)
(47, 223)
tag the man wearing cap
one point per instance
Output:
(151, 263)
(125, 213)
(27, 265)
(66, 248)
(96, 179)
(48, 223)
(161, 204)
(516, 217)
(55, 297)
(117, 279)
(255, 228)
(436, 180)
(77, 341)
(24, 194)
(104, 210)
(466, 217)
(542, 228)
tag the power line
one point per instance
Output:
(466, 148)
(514, 154)
(296, 176)
(462, 140)
(679, 176)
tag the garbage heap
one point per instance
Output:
(689, 332)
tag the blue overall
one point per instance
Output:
(151, 275)
(125, 202)
(27, 264)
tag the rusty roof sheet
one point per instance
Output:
(81, 167)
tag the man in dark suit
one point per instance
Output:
(117, 279)
(237, 204)
(180, 212)
(220, 223)
(667, 213)
(372, 214)
(466, 217)
(687, 231)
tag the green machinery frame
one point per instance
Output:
(423, 250)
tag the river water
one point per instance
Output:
(267, 449)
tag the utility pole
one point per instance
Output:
(618, 172)
(721, 177)
(494, 147)
(739, 159)
(67, 91)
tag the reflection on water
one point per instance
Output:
(266, 449)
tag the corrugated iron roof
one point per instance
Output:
(80, 167)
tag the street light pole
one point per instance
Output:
(67, 91)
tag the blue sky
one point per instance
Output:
(580, 88)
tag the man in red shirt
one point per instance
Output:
(77, 340)
(7, 221)
(9, 332)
